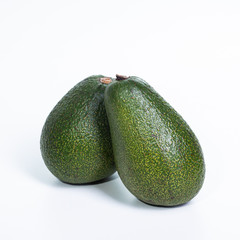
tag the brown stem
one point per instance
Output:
(121, 77)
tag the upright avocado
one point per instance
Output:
(157, 155)
(75, 141)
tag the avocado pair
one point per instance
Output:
(104, 124)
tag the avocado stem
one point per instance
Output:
(121, 77)
(106, 80)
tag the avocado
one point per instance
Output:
(157, 155)
(75, 141)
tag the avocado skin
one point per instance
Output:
(157, 155)
(75, 141)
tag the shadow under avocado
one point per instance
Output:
(108, 179)
(166, 207)
(115, 189)
(118, 192)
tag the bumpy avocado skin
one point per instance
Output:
(157, 155)
(75, 141)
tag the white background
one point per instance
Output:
(189, 51)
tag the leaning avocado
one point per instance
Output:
(157, 155)
(75, 141)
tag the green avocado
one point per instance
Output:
(75, 141)
(157, 155)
